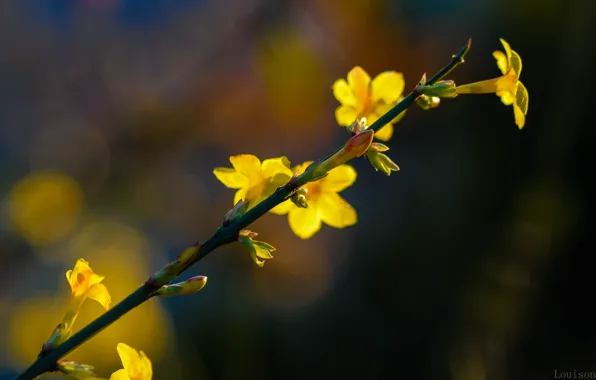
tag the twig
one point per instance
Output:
(224, 235)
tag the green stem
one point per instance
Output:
(224, 235)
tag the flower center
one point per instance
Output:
(313, 190)
(366, 106)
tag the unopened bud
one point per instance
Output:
(61, 333)
(299, 198)
(239, 209)
(76, 370)
(356, 146)
(441, 89)
(428, 102)
(190, 286)
(379, 147)
(173, 269)
(358, 126)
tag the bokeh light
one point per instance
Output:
(45, 206)
(118, 252)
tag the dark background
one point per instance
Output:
(473, 262)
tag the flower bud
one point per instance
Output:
(356, 146)
(61, 333)
(358, 126)
(76, 370)
(299, 198)
(428, 102)
(441, 89)
(239, 209)
(173, 269)
(190, 286)
(379, 147)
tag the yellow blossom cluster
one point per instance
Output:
(362, 102)
(255, 181)
(362, 98)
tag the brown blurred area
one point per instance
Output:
(471, 263)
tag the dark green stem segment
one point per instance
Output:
(224, 235)
(457, 60)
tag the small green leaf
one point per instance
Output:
(257, 249)
(380, 161)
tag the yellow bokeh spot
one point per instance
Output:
(293, 77)
(120, 253)
(45, 206)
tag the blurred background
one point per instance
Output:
(471, 263)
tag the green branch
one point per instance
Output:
(225, 234)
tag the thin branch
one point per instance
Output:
(46, 362)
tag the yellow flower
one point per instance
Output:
(254, 180)
(360, 97)
(84, 283)
(324, 204)
(137, 365)
(508, 86)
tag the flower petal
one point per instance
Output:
(343, 93)
(507, 49)
(247, 164)
(121, 374)
(371, 118)
(382, 108)
(388, 86)
(95, 279)
(273, 166)
(516, 63)
(278, 180)
(345, 115)
(502, 61)
(71, 279)
(520, 118)
(99, 293)
(302, 167)
(385, 133)
(335, 211)
(254, 194)
(240, 195)
(339, 179)
(230, 178)
(81, 276)
(305, 222)
(522, 97)
(130, 360)
(359, 82)
(145, 366)
(507, 98)
(283, 208)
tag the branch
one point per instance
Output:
(225, 234)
